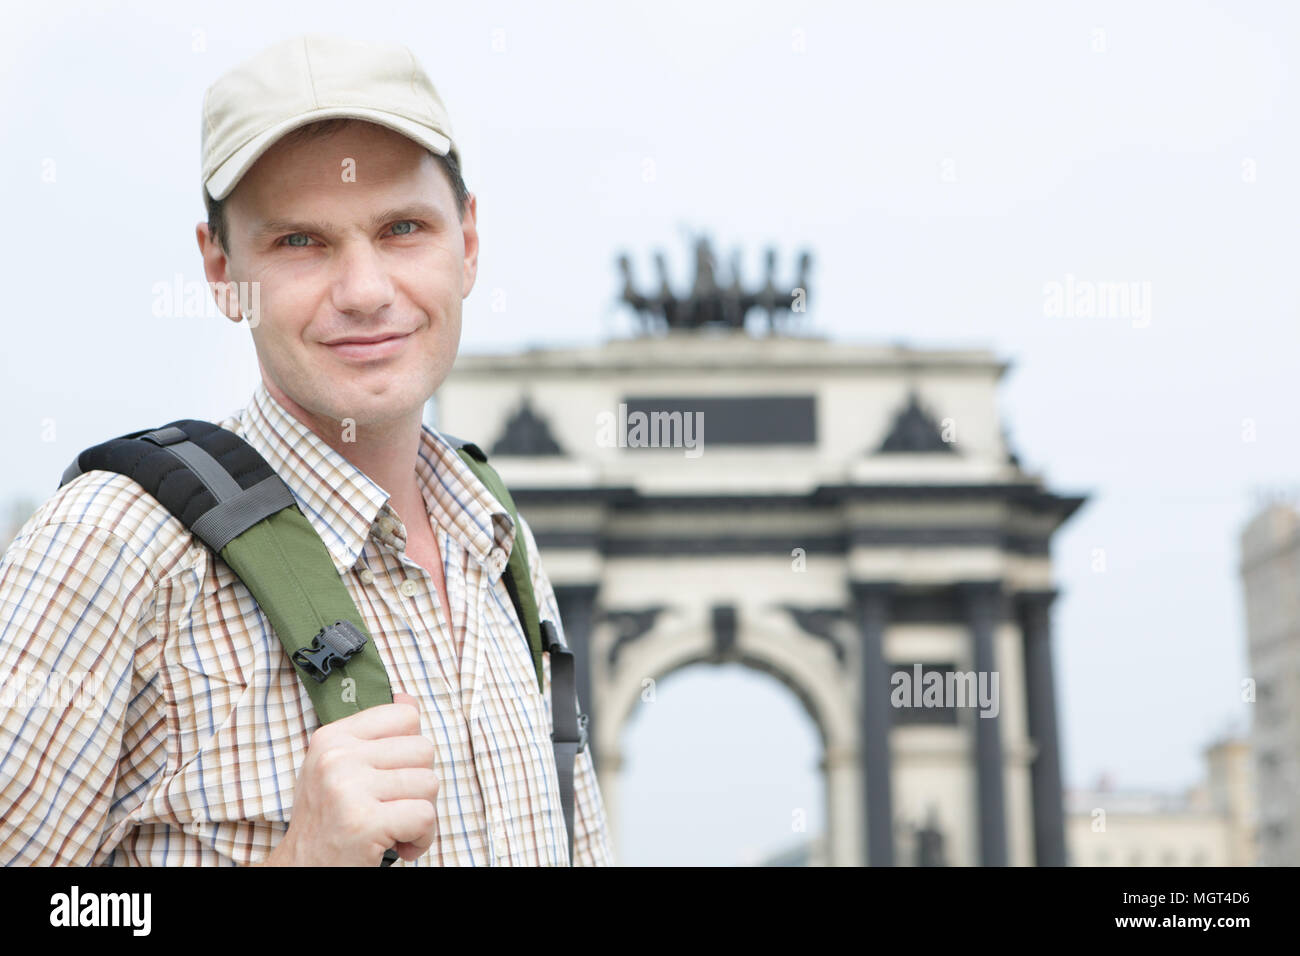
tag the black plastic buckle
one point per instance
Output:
(550, 637)
(334, 645)
(582, 734)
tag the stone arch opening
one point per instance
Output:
(775, 653)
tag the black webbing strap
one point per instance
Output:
(569, 728)
(228, 520)
(210, 479)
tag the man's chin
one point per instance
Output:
(367, 410)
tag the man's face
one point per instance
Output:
(353, 235)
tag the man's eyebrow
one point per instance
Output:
(275, 227)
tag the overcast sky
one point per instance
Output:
(944, 162)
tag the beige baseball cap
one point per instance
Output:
(309, 78)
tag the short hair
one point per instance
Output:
(450, 168)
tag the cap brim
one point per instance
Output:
(224, 178)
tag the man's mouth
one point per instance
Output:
(366, 350)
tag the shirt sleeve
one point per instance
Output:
(590, 832)
(72, 597)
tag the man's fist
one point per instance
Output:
(367, 784)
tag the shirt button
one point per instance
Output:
(386, 525)
(367, 576)
(408, 587)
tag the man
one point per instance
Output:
(193, 739)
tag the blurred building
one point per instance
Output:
(850, 519)
(800, 853)
(1270, 574)
(1212, 824)
(915, 845)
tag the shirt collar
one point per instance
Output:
(344, 505)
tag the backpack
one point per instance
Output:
(229, 497)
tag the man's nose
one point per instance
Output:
(362, 284)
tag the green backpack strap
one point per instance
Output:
(518, 575)
(222, 490)
(568, 726)
(229, 497)
(286, 566)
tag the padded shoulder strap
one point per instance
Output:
(221, 489)
(229, 497)
(192, 467)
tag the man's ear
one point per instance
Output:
(469, 229)
(216, 266)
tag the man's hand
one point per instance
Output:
(367, 784)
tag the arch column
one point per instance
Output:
(985, 608)
(871, 606)
(842, 775)
(1040, 691)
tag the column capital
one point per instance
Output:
(870, 589)
(579, 591)
(980, 586)
(1035, 598)
(1034, 611)
(984, 596)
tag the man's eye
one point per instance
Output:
(289, 240)
(399, 231)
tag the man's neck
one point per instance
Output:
(384, 452)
